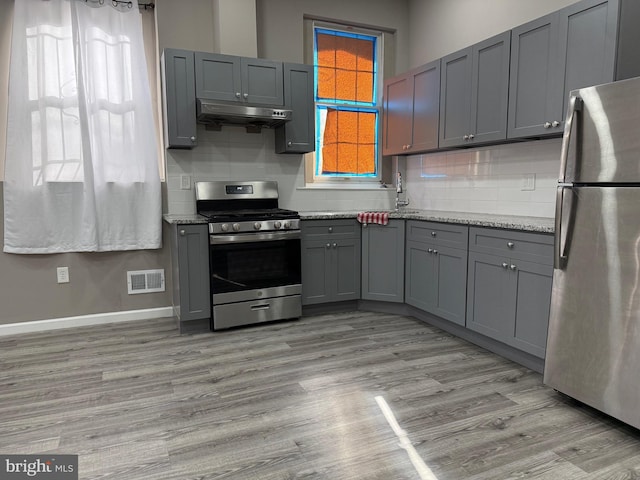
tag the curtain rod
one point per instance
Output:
(117, 3)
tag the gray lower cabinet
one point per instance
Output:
(509, 287)
(473, 94)
(255, 81)
(436, 269)
(179, 98)
(298, 134)
(330, 261)
(383, 261)
(190, 266)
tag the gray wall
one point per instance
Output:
(440, 27)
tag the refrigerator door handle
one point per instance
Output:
(563, 238)
(575, 105)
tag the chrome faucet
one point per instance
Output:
(400, 203)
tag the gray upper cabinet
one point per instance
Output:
(436, 269)
(474, 92)
(190, 264)
(383, 261)
(509, 287)
(572, 48)
(330, 261)
(239, 79)
(411, 104)
(298, 134)
(179, 99)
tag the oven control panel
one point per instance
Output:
(257, 226)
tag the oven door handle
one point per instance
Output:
(254, 237)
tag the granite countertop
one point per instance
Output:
(512, 222)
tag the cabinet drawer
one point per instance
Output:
(533, 247)
(314, 229)
(445, 234)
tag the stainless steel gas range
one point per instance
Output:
(254, 253)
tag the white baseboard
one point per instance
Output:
(85, 320)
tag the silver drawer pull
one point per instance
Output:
(433, 234)
(430, 250)
(435, 252)
(262, 306)
(510, 244)
(183, 233)
(505, 265)
(330, 229)
(513, 267)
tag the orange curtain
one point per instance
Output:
(349, 142)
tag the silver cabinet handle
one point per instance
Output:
(364, 225)
(510, 244)
(505, 265)
(430, 250)
(471, 136)
(183, 233)
(246, 95)
(435, 252)
(465, 137)
(547, 125)
(334, 245)
(289, 143)
(237, 94)
(193, 139)
(409, 147)
(433, 234)
(330, 229)
(555, 123)
(513, 267)
(328, 245)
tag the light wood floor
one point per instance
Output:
(296, 400)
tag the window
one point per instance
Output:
(347, 72)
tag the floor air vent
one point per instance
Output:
(145, 281)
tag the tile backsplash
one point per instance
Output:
(488, 180)
(485, 180)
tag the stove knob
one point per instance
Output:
(287, 224)
(277, 225)
(257, 225)
(236, 227)
(224, 227)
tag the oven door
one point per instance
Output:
(252, 266)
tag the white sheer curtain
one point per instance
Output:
(81, 170)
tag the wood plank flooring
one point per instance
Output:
(296, 400)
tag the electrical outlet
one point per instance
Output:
(185, 182)
(63, 274)
(528, 182)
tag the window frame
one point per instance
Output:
(362, 180)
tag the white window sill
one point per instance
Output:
(345, 186)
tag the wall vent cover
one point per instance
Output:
(145, 281)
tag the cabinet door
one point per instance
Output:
(218, 76)
(490, 89)
(316, 272)
(397, 126)
(346, 265)
(535, 94)
(193, 272)
(532, 306)
(426, 108)
(588, 33)
(179, 99)
(455, 100)
(420, 276)
(298, 134)
(383, 262)
(451, 283)
(262, 82)
(490, 296)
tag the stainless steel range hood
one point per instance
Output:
(214, 113)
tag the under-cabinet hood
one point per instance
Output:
(216, 113)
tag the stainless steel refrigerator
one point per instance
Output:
(593, 345)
